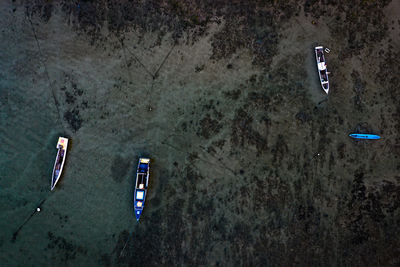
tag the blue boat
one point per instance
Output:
(142, 181)
(364, 136)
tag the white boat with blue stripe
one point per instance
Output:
(142, 181)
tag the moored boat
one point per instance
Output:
(364, 136)
(142, 181)
(322, 70)
(62, 146)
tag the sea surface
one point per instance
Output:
(251, 163)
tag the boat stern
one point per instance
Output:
(143, 166)
(63, 142)
(144, 160)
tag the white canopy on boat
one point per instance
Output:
(139, 195)
(321, 66)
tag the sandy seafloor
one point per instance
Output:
(251, 161)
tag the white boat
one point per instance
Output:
(62, 145)
(322, 70)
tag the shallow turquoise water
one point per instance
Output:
(250, 166)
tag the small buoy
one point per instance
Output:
(38, 209)
(318, 154)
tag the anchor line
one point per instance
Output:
(45, 68)
(15, 234)
(126, 243)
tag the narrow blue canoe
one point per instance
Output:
(142, 181)
(365, 136)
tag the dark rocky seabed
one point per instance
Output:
(251, 161)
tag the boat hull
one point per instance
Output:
(365, 136)
(62, 146)
(322, 69)
(142, 182)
